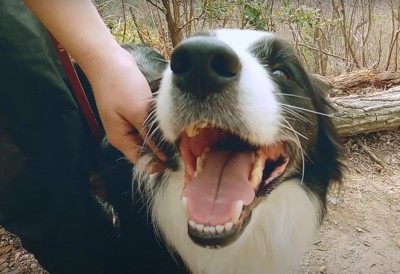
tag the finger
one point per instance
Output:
(134, 153)
(150, 142)
(131, 146)
(156, 167)
(145, 137)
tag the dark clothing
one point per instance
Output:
(46, 153)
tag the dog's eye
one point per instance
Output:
(281, 73)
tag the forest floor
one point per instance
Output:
(361, 233)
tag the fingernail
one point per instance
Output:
(161, 155)
(156, 167)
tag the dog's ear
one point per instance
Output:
(320, 84)
(151, 63)
(321, 88)
(329, 151)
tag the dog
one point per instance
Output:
(251, 152)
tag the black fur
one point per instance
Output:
(322, 150)
(322, 164)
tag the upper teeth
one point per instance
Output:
(257, 171)
(193, 130)
(184, 202)
(201, 161)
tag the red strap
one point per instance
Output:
(77, 89)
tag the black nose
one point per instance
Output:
(203, 65)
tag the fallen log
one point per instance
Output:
(367, 112)
(359, 81)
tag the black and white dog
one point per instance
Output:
(251, 152)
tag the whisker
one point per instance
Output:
(296, 115)
(154, 132)
(301, 151)
(307, 110)
(149, 117)
(293, 130)
(160, 59)
(150, 100)
(294, 95)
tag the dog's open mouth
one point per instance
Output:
(224, 178)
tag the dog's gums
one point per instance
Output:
(224, 176)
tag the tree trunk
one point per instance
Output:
(172, 16)
(368, 112)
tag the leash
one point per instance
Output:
(77, 89)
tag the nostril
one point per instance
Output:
(180, 63)
(204, 65)
(225, 65)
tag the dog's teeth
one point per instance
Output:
(199, 227)
(202, 125)
(219, 228)
(237, 211)
(184, 202)
(228, 226)
(199, 166)
(201, 161)
(210, 230)
(191, 130)
(192, 224)
(256, 172)
(255, 179)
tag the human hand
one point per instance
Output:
(122, 96)
(121, 91)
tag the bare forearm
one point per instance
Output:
(78, 27)
(121, 91)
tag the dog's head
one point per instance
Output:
(244, 116)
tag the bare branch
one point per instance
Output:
(155, 5)
(123, 15)
(191, 20)
(396, 36)
(137, 26)
(324, 52)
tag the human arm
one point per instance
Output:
(121, 91)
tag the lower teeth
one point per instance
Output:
(211, 230)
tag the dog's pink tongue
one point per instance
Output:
(212, 195)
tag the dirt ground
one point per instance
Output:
(361, 233)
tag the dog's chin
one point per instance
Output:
(219, 240)
(213, 241)
(226, 177)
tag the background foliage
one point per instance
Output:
(330, 36)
